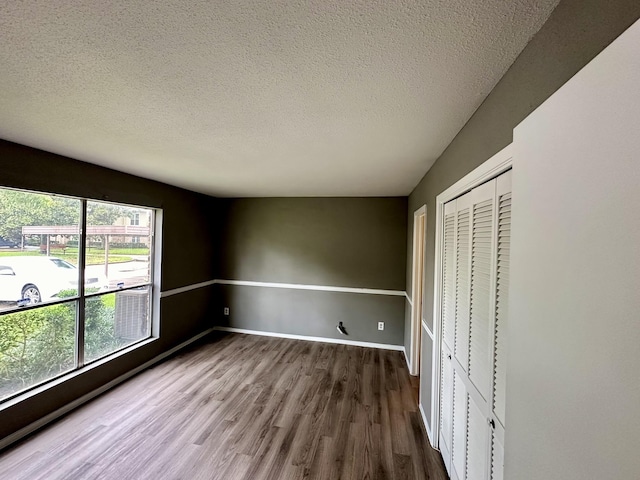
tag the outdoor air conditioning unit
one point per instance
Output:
(132, 314)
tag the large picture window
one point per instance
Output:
(76, 284)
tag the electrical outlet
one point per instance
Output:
(226, 311)
(380, 325)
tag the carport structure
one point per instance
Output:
(105, 231)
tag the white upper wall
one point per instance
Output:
(573, 387)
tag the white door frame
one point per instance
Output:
(417, 281)
(499, 163)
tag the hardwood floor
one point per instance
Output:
(243, 407)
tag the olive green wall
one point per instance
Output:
(336, 242)
(189, 256)
(576, 31)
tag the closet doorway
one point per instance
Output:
(419, 233)
(473, 225)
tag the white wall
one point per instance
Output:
(573, 391)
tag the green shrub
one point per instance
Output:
(38, 344)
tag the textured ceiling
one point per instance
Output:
(262, 98)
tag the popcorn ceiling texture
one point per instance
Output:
(264, 98)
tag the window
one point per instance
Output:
(74, 287)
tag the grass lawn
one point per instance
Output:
(112, 251)
(92, 258)
(109, 300)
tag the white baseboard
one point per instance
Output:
(32, 427)
(383, 346)
(426, 425)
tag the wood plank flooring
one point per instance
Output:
(243, 407)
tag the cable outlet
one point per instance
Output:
(226, 311)
(380, 325)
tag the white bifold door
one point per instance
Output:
(475, 276)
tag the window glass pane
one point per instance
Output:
(38, 248)
(118, 246)
(36, 345)
(39, 258)
(115, 320)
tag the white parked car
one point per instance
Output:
(37, 279)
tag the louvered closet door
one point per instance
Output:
(477, 435)
(463, 278)
(503, 244)
(481, 297)
(446, 410)
(480, 339)
(448, 332)
(449, 275)
(461, 335)
(477, 231)
(459, 427)
(502, 294)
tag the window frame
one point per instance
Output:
(79, 300)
